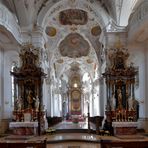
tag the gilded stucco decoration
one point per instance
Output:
(74, 46)
(51, 31)
(95, 31)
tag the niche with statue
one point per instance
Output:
(28, 80)
(120, 87)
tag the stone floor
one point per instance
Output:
(74, 145)
(72, 140)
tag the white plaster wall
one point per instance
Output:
(49, 100)
(96, 108)
(146, 78)
(137, 56)
(103, 97)
(1, 83)
(113, 38)
(9, 57)
(46, 98)
(146, 88)
(56, 105)
(8, 20)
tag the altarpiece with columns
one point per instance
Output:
(28, 80)
(120, 87)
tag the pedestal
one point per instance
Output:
(125, 128)
(24, 128)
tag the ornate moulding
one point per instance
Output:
(87, 6)
(9, 22)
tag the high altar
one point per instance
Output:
(28, 113)
(122, 108)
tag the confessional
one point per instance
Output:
(120, 87)
(28, 80)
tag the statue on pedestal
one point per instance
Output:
(37, 103)
(19, 104)
(119, 98)
(113, 102)
(130, 103)
(30, 99)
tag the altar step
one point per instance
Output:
(72, 137)
(74, 131)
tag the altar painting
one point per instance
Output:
(76, 102)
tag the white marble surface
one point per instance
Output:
(124, 124)
(23, 124)
(71, 125)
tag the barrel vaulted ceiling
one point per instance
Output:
(73, 29)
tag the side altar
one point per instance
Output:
(29, 112)
(122, 109)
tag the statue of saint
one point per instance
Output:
(19, 104)
(119, 98)
(130, 104)
(37, 103)
(30, 99)
(113, 102)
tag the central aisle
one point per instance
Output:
(71, 125)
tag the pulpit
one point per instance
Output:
(121, 108)
(28, 80)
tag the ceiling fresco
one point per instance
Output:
(73, 16)
(74, 46)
